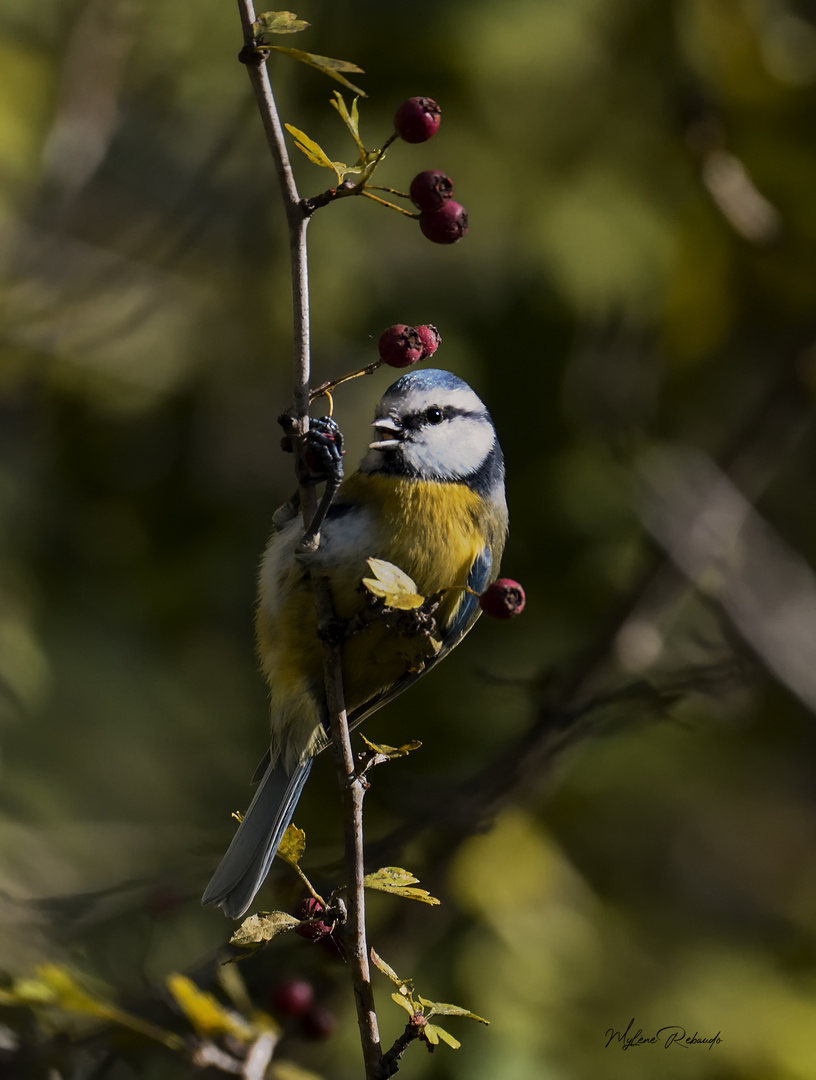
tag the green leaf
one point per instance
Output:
(393, 585)
(292, 845)
(260, 928)
(395, 880)
(429, 1033)
(402, 1000)
(327, 64)
(350, 119)
(383, 750)
(445, 1036)
(440, 1008)
(278, 22)
(205, 1013)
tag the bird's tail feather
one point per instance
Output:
(248, 858)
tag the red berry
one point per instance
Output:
(309, 908)
(430, 189)
(430, 338)
(417, 119)
(445, 225)
(400, 346)
(503, 599)
(319, 1023)
(293, 997)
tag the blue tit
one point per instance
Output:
(428, 497)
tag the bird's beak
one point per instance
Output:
(391, 431)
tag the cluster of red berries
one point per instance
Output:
(441, 218)
(401, 346)
(295, 998)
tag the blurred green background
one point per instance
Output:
(640, 269)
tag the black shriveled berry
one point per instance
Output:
(445, 225)
(417, 119)
(430, 189)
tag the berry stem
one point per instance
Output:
(390, 190)
(327, 387)
(384, 202)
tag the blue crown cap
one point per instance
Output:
(427, 379)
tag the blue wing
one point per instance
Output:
(466, 615)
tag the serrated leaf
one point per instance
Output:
(385, 968)
(445, 1036)
(393, 585)
(260, 928)
(350, 119)
(403, 1001)
(292, 845)
(392, 751)
(393, 879)
(327, 64)
(278, 22)
(205, 1013)
(441, 1008)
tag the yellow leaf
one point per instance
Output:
(445, 1036)
(327, 64)
(393, 585)
(395, 880)
(385, 968)
(207, 1015)
(392, 751)
(292, 845)
(259, 928)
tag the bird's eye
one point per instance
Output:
(434, 415)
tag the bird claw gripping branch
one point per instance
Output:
(321, 462)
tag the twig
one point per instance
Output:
(391, 1058)
(298, 218)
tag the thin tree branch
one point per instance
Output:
(352, 790)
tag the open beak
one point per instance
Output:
(390, 432)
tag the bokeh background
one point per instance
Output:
(615, 798)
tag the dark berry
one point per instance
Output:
(319, 1023)
(293, 997)
(430, 338)
(400, 346)
(417, 119)
(310, 909)
(163, 900)
(445, 225)
(430, 189)
(503, 599)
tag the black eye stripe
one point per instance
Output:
(434, 414)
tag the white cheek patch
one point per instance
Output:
(452, 449)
